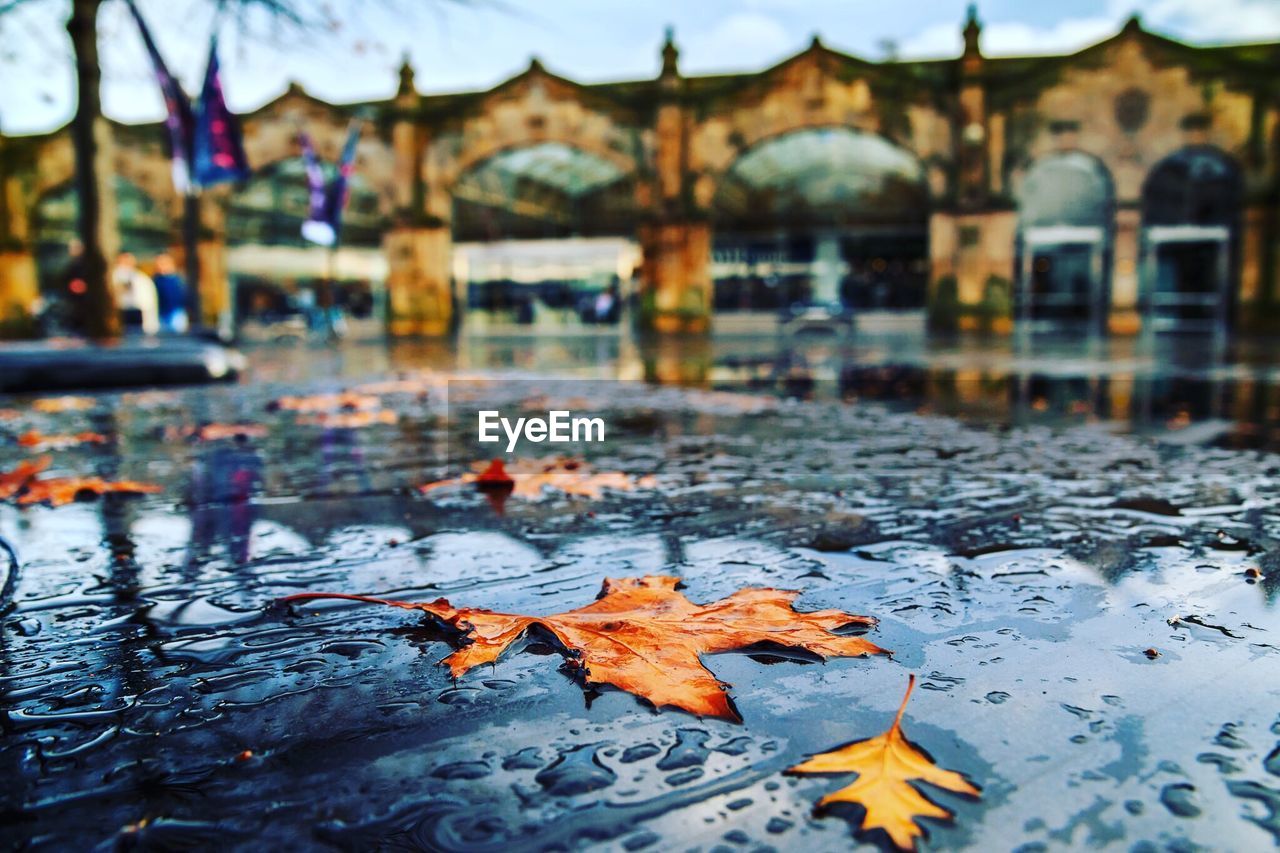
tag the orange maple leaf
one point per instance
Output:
(643, 636)
(886, 764)
(11, 482)
(529, 477)
(36, 439)
(57, 491)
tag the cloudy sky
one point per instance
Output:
(473, 45)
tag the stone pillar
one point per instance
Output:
(19, 291)
(676, 276)
(216, 310)
(976, 252)
(419, 294)
(675, 285)
(19, 287)
(1125, 317)
(419, 247)
(1253, 235)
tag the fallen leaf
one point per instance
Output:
(37, 440)
(56, 405)
(345, 401)
(9, 414)
(643, 636)
(57, 491)
(11, 482)
(529, 477)
(348, 420)
(886, 765)
(216, 432)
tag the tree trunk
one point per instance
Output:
(103, 320)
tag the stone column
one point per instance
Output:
(676, 275)
(1125, 317)
(976, 251)
(419, 246)
(676, 283)
(216, 310)
(419, 295)
(19, 288)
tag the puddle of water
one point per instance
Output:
(152, 694)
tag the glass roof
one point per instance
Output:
(553, 164)
(1066, 189)
(826, 169)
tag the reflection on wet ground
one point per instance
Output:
(154, 696)
(1181, 389)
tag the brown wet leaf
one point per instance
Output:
(57, 491)
(36, 440)
(886, 765)
(11, 482)
(216, 432)
(57, 405)
(346, 401)
(643, 636)
(530, 477)
(348, 420)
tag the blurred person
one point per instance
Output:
(606, 305)
(135, 295)
(171, 295)
(74, 291)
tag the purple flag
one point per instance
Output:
(218, 148)
(339, 190)
(324, 219)
(179, 120)
(317, 228)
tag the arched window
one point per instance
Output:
(1065, 208)
(1190, 213)
(821, 215)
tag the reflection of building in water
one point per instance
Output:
(548, 283)
(1129, 186)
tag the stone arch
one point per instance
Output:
(1066, 214)
(533, 109)
(271, 137)
(818, 88)
(1191, 218)
(844, 211)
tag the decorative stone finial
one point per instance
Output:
(535, 64)
(972, 31)
(1134, 24)
(406, 77)
(816, 43)
(670, 54)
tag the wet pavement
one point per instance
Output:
(1022, 565)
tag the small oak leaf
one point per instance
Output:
(886, 765)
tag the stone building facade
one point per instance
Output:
(1132, 107)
